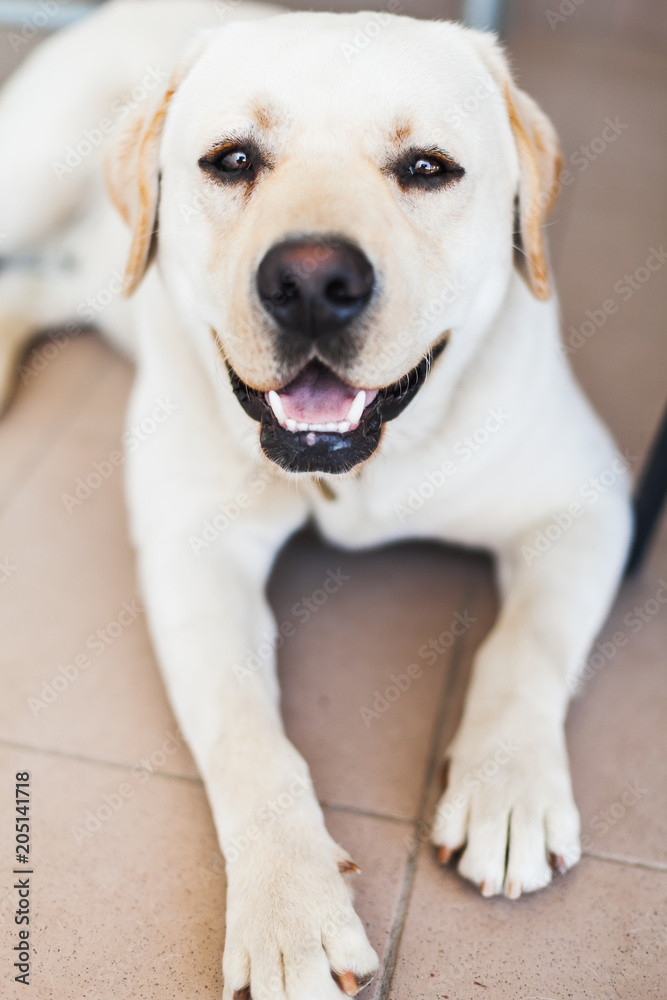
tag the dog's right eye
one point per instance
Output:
(232, 163)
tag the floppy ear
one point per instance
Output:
(133, 171)
(133, 182)
(540, 164)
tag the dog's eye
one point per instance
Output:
(427, 170)
(235, 161)
(232, 163)
(425, 167)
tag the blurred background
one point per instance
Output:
(137, 897)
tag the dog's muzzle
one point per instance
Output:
(319, 423)
(316, 291)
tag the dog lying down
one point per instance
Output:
(326, 262)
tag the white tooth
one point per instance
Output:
(344, 427)
(291, 425)
(357, 408)
(331, 427)
(276, 405)
(302, 427)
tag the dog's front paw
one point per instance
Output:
(292, 933)
(509, 804)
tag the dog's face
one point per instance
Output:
(335, 204)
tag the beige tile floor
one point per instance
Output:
(132, 907)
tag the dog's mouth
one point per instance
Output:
(319, 423)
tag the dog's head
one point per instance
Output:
(340, 197)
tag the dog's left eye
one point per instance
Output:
(235, 163)
(426, 170)
(236, 160)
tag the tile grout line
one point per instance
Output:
(368, 813)
(396, 934)
(192, 779)
(652, 866)
(84, 759)
(49, 442)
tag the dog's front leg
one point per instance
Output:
(290, 924)
(508, 798)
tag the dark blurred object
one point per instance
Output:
(484, 14)
(650, 498)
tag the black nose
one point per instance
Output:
(314, 288)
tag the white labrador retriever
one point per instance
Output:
(345, 214)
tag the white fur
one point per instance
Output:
(289, 916)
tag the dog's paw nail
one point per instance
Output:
(444, 855)
(513, 890)
(557, 863)
(348, 983)
(348, 865)
(487, 890)
(242, 994)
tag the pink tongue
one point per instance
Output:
(317, 396)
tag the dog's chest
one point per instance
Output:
(442, 493)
